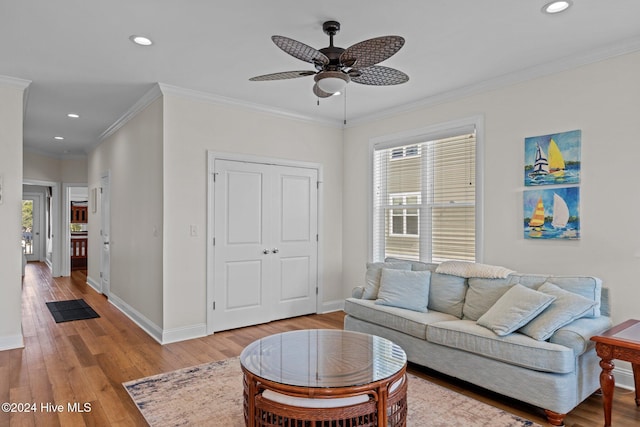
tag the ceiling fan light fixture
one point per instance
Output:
(556, 6)
(332, 81)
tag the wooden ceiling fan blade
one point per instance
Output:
(282, 75)
(300, 50)
(380, 76)
(320, 93)
(372, 51)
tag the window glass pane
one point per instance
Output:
(398, 222)
(412, 225)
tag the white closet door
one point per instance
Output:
(265, 253)
(294, 240)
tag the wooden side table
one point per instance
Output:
(621, 342)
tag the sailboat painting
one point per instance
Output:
(552, 159)
(552, 213)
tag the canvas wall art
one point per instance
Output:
(552, 159)
(552, 213)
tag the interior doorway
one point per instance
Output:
(32, 225)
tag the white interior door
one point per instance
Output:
(265, 253)
(294, 236)
(105, 234)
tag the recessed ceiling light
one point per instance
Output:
(58, 138)
(556, 6)
(73, 115)
(141, 40)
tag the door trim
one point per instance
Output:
(212, 156)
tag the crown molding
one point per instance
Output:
(14, 82)
(563, 64)
(142, 103)
(225, 101)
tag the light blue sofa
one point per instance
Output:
(556, 374)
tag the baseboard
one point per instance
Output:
(11, 342)
(624, 378)
(95, 285)
(138, 318)
(330, 306)
(184, 333)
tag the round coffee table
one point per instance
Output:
(323, 375)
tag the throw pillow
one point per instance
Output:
(473, 269)
(588, 287)
(566, 308)
(514, 309)
(404, 289)
(372, 277)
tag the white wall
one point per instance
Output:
(193, 127)
(11, 116)
(601, 99)
(133, 155)
(39, 167)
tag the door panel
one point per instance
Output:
(294, 278)
(295, 208)
(244, 207)
(244, 284)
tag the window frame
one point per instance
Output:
(416, 136)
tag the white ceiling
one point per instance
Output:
(78, 56)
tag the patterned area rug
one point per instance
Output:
(211, 395)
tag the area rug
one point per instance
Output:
(75, 309)
(211, 395)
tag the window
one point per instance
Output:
(424, 197)
(404, 214)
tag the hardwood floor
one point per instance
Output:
(86, 362)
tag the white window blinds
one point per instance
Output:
(424, 199)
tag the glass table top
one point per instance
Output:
(323, 358)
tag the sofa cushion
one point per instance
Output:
(514, 309)
(516, 349)
(446, 294)
(404, 289)
(410, 322)
(372, 276)
(481, 296)
(566, 308)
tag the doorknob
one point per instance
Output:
(275, 250)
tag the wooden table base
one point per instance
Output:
(621, 342)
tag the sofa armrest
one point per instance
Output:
(577, 334)
(357, 292)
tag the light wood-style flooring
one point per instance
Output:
(86, 362)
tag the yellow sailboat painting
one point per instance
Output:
(553, 159)
(552, 213)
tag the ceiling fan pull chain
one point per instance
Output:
(345, 107)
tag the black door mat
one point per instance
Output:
(75, 309)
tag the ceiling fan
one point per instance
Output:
(336, 67)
